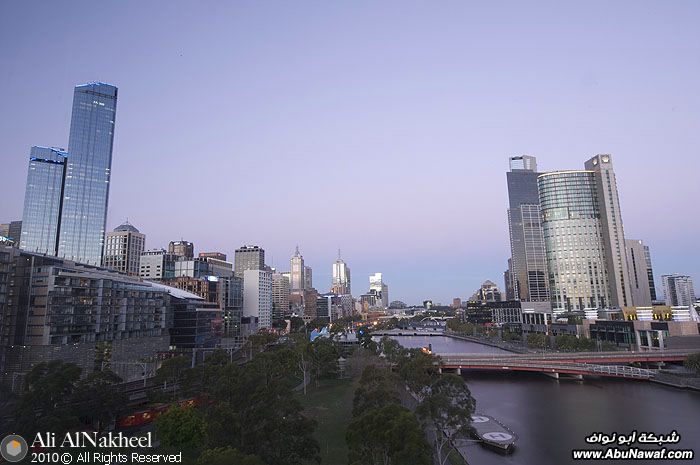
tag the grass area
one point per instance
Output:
(330, 405)
(456, 459)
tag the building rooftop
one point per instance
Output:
(126, 226)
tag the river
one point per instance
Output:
(553, 417)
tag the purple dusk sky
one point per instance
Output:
(382, 128)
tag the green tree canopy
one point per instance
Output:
(227, 456)
(46, 402)
(181, 428)
(390, 435)
(692, 362)
(449, 406)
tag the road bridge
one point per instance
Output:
(578, 364)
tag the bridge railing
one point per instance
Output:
(582, 368)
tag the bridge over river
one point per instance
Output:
(570, 364)
(578, 364)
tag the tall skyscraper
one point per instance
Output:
(249, 257)
(508, 281)
(584, 239)
(88, 167)
(280, 295)
(15, 231)
(181, 249)
(123, 249)
(257, 296)
(611, 219)
(298, 271)
(308, 277)
(574, 236)
(637, 272)
(678, 290)
(43, 199)
(650, 273)
(528, 266)
(379, 288)
(341, 277)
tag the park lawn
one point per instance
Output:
(330, 405)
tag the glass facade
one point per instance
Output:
(650, 273)
(86, 193)
(42, 200)
(528, 263)
(574, 240)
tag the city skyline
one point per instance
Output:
(425, 241)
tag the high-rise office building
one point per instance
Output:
(217, 255)
(308, 277)
(528, 263)
(574, 238)
(611, 219)
(15, 231)
(5, 229)
(678, 290)
(638, 273)
(508, 281)
(86, 192)
(249, 257)
(181, 249)
(488, 292)
(341, 277)
(42, 200)
(584, 238)
(650, 273)
(257, 296)
(280, 295)
(297, 281)
(123, 249)
(380, 289)
(157, 264)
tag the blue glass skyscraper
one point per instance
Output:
(86, 192)
(42, 200)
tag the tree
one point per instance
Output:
(98, 397)
(392, 350)
(692, 362)
(260, 340)
(181, 428)
(390, 435)
(45, 404)
(172, 370)
(537, 341)
(317, 323)
(252, 409)
(449, 406)
(377, 388)
(296, 324)
(418, 370)
(323, 355)
(227, 456)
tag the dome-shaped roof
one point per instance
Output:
(126, 226)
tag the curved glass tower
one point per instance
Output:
(574, 240)
(86, 192)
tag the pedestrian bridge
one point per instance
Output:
(578, 364)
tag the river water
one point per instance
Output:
(553, 417)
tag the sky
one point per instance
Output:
(378, 127)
